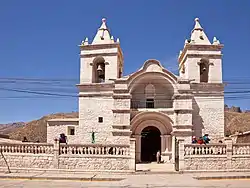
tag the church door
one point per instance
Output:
(150, 143)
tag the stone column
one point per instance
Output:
(163, 143)
(181, 155)
(132, 165)
(173, 150)
(137, 148)
(56, 153)
(168, 141)
(229, 152)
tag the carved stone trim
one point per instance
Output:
(182, 96)
(100, 46)
(183, 111)
(183, 126)
(96, 95)
(98, 54)
(121, 126)
(121, 110)
(120, 90)
(122, 96)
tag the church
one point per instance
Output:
(151, 105)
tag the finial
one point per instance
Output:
(216, 41)
(112, 37)
(180, 52)
(118, 40)
(104, 20)
(196, 19)
(186, 41)
(86, 41)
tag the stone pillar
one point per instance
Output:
(138, 148)
(56, 151)
(181, 155)
(168, 142)
(173, 150)
(229, 152)
(132, 165)
(163, 143)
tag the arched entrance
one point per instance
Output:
(150, 143)
(159, 128)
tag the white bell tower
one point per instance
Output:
(102, 60)
(200, 61)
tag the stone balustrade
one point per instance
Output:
(35, 148)
(241, 149)
(210, 149)
(226, 156)
(117, 150)
(84, 157)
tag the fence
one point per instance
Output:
(227, 156)
(62, 156)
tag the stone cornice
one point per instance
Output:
(121, 91)
(95, 95)
(121, 110)
(99, 46)
(200, 48)
(182, 96)
(99, 54)
(126, 96)
(95, 85)
(183, 111)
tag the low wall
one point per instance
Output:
(212, 157)
(77, 157)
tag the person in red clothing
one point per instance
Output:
(200, 141)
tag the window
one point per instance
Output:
(100, 119)
(71, 130)
(150, 103)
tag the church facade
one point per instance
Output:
(152, 105)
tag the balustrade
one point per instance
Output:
(118, 150)
(241, 149)
(209, 149)
(35, 148)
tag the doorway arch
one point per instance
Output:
(154, 120)
(150, 143)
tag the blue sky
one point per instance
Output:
(39, 39)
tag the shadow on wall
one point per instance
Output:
(197, 120)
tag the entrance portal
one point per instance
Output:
(150, 143)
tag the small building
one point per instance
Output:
(152, 105)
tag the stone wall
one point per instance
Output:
(97, 163)
(27, 161)
(205, 109)
(79, 157)
(210, 157)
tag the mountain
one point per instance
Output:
(37, 130)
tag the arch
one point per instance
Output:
(152, 62)
(145, 119)
(98, 69)
(204, 69)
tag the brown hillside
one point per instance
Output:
(37, 130)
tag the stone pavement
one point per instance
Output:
(187, 180)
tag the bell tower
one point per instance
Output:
(101, 60)
(200, 61)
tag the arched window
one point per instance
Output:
(98, 70)
(204, 69)
(150, 95)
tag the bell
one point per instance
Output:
(99, 68)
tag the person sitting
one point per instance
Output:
(200, 141)
(194, 140)
(206, 139)
(62, 139)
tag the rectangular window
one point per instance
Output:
(71, 130)
(100, 119)
(150, 103)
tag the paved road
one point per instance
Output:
(136, 181)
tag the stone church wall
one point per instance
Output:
(208, 117)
